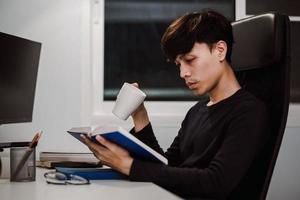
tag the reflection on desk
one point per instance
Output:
(98, 189)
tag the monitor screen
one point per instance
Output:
(19, 59)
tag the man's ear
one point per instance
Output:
(221, 50)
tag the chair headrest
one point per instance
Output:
(260, 41)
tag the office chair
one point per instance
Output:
(261, 61)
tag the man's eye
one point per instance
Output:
(189, 60)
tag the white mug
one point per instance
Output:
(128, 100)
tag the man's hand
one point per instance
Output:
(140, 115)
(110, 154)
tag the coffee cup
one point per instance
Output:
(128, 100)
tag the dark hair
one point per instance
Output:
(207, 26)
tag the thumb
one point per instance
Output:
(135, 85)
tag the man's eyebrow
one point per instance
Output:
(183, 56)
(189, 54)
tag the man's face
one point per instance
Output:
(200, 68)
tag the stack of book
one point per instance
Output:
(67, 159)
(85, 165)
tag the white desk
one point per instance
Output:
(98, 189)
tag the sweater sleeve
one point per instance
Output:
(243, 139)
(147, 136)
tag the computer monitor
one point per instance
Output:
(19, 60)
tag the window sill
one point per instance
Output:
(175, 117)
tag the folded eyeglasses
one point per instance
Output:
(62, 179)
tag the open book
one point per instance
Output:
(123, 138)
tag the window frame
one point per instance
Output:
(94, 110)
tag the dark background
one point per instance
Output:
(133, 30)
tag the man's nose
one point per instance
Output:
(184, 72)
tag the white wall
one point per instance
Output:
(57, 25)
(286, 176)
(63, 28)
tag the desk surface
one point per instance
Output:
(98, 189)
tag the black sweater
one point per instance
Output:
(213, 150)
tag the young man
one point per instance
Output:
(220, 137)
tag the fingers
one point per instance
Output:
(92, 145)
(111, 146)
(86, 140)
(97, 149)
(135, 84)
(104, 146)
(109, 153)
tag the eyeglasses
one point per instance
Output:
(62, 179)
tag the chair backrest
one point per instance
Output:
(261, 61)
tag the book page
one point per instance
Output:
(80, 129)
(105, 129)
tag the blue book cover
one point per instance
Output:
(92, 173)
(123, 138)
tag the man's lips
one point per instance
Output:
(191, 85)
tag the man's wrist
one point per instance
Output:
(140, 119)
(141, 124)
(126, 166)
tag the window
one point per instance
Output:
(133, 29)
(101, 82)
(290, 7)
